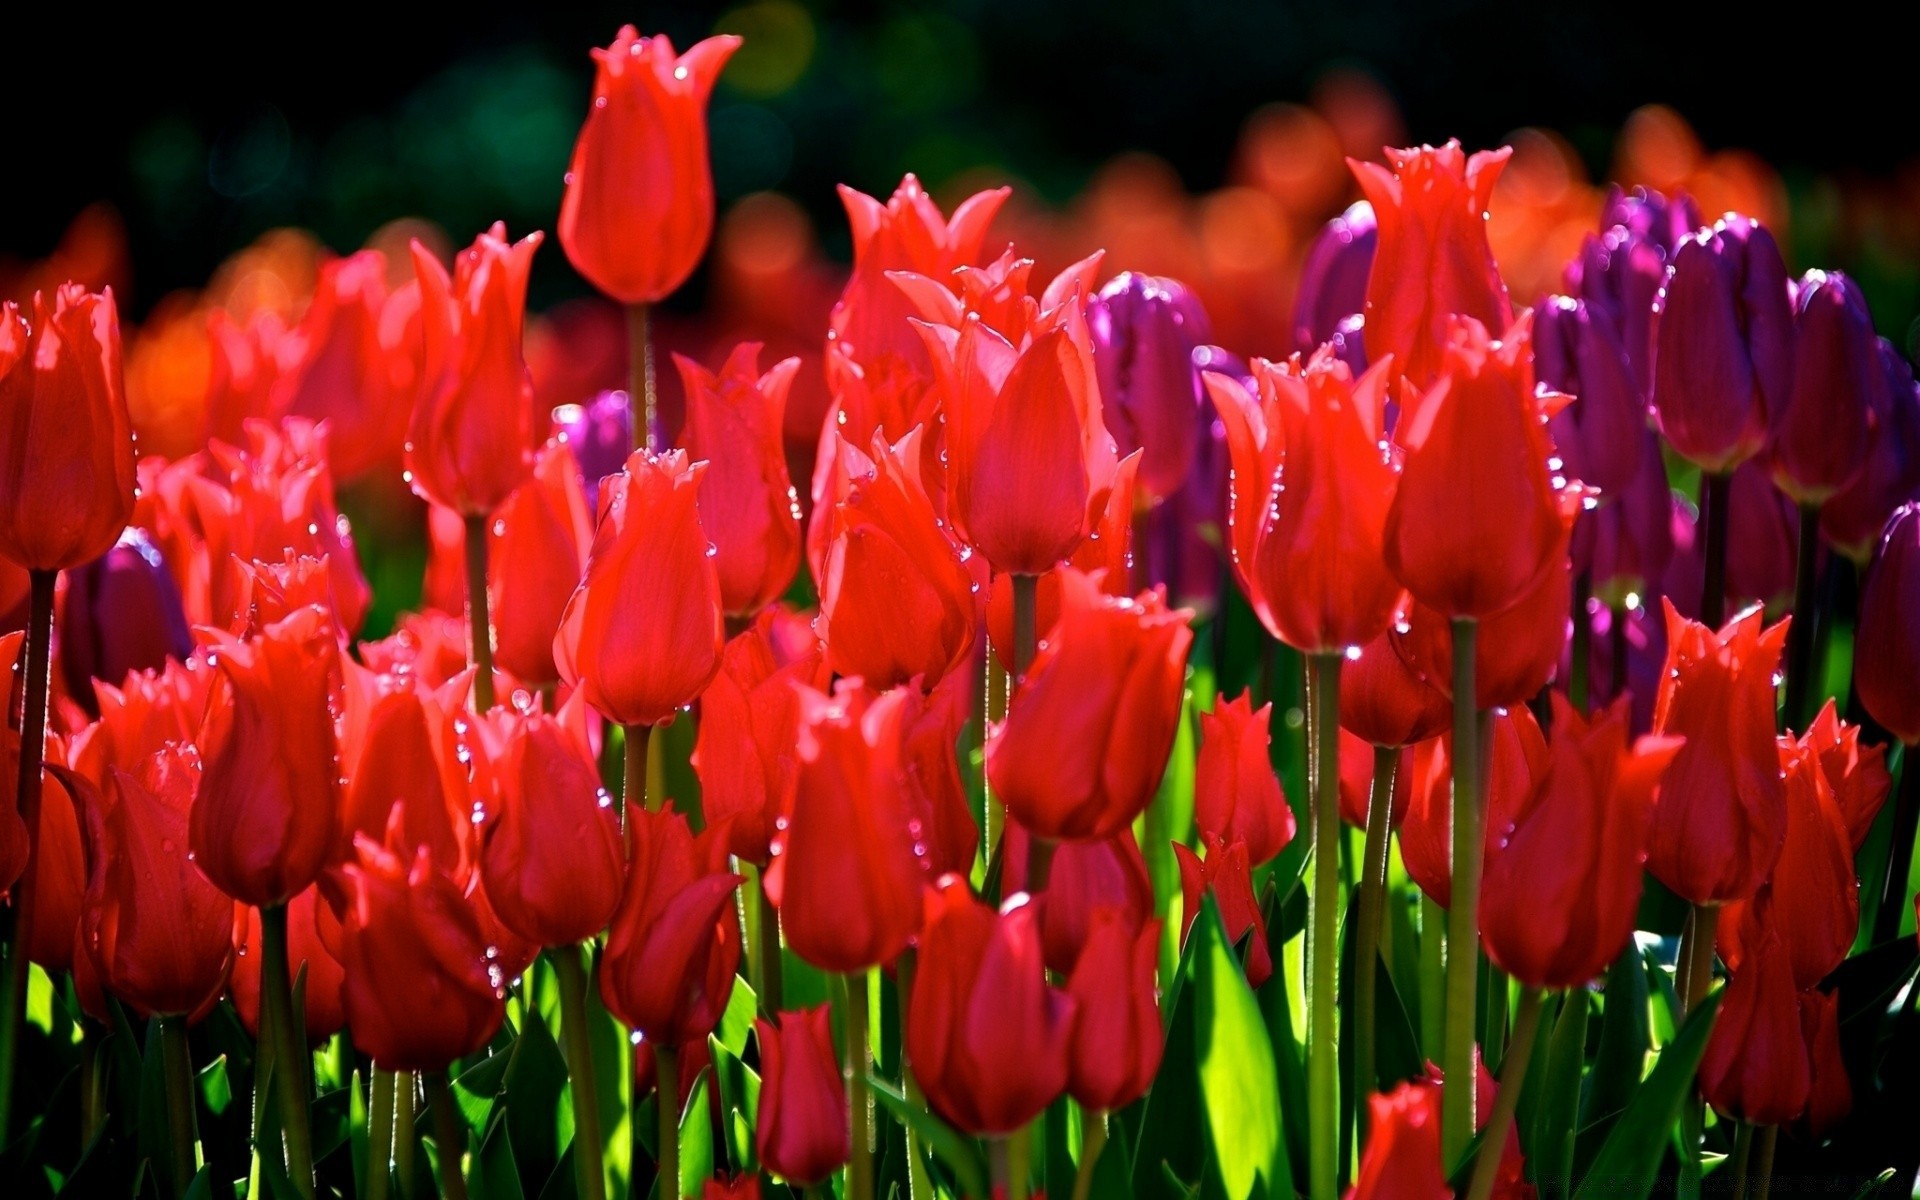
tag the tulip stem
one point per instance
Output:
(1906, 823)
(1092, 1142)
(1433, 968)
(586, 1102)
(1800, 634)
(666, 1088)
(93, 1072)
(1323, 948)
(766, 951)
(1026, 596)
(1372, 900)
(1716, 491)
(177, 1064)
(1020, 1162)
(379, 1136)
(479, 626)
(33, 740)
(1458, 1118)
(405, 1139)
(853, 1018)
(1579, 679)
(288, 1082)
(1696, 957)
(1760, 1178)
(634, 784)
(1742, 1160)
(1513, 1073)
(642, 392)
(450, 1132)
(919, 1186)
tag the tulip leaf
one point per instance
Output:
(1875, 1185)
(1621, 1060)
(613, 1084)
(492, 1173)
(478, 1087)
(1238, 1081)
(152, 1139)
(736, 1023)
(1170, 1134)
(739, 1102)
(960, 1153)
(1556, 1114)
(696, 1138)
(1632, 1152)
(534, 1092)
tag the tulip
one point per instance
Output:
(158, 934)
(1432, 260)
(550, 853)
(642, 635)
(1402, 1159)
(1756, 1065)
(1386, 701)
(540, 540)
(150, 710)
(638, 206)
(989, 1039)
(1084, 879)
(1333, 278)
(1830, 1093)
(265, 817)
(1089, 728)
(263, 593)
(1724, 344)
(1117, 1040)
(747, 502)
(1887, 641)
(1356, 781)
(472, 436)
(422, 985)
(1718, 828)
(674, 944)
(1515, 652)
(1620, 270)
(348, 362)
(121, 613)
(58, 879)
(1236, 795)
(800, 1131)
(1625, 545)
(896, 599)
(1144, 330)
(244, 364)
(1856, 774)
(744, 752)
(1853, 518)
(599, 433)
(313, 929)
(1598, 433)
(66, 443)
(1312, 486)
(1515, 767)
(429, 648)
(1562, 885)
(1225, 875)
(1819, 437)
(1108, 550)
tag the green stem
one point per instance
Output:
(666, 1085)
(642, 393)
(1092, 1142)
(1513, 1073)
(1433, 967)
(1372, 902)
(1696, 980)
(277, 989)
(1019, 1163)
(1457, 1113)
(586, 1101)
(1026, 594)
(1793, 712)
(1715, 492)
(634, 783)
(450, 1132)
(1323, 948)
(379, 1136)
(93, 1073)
(33, 741)
(766, 952)
(1742, 1160)
(1761, 1177)
(406, 1139)
(1579, 686)
(177, 1063)
(1892, 908)
(479, 625)
(919, 1185)
(853, 1018)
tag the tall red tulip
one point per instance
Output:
(1402, 1159)
(66, 442)
(313, 930)
(59, 875)
(1514, 766)
(1108, 549)
(1226, 875)
(1084, 879)
(642, 636)
(1756, 1065)
(745, 749)
(1516, 653)
(539, 539)
(1117, 1039)
(1385, 700)
(1856, 773)
(638, 207)
(398, 744)
(350, 362)
(1236, 794)
(1887, 660)
(801, 1129)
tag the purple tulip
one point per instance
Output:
(1619, 270)
(121, 613)
(1144, 332)
(1599, 433)
(1333, 281)
(599, 433)
(1853, 518)
(1820, 436)
(1625, 544)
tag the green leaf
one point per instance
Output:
(216, 1090)
(1170, 1133)
(1557, 1113)
(1875, 1185)
(1620, 1062)
(361, 1140)
(696, 1139)
(739, 1102)
(492, 1173)
(1631, 1155)
(1396, 1048)
(539, 1119)
(1237, 1075)
(736, 1023)
(960, 1153)
(478, 1087)
(613, 1084)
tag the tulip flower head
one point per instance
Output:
(1144, 331)
(540, 538)
(1888, 660)
(350, 362)
(121, 613)
(1226, 875)
(1236, 795)
(1333, 279)
(800, 1131)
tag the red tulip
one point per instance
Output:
(398, 744)
(66, 442)
(1236, 794)
(988, 1038)
(1385, 700)
(1830, 1094)
(642, 635)
(1516, 653)
(147, 712)
(745, 751)
(1356, 780)
(1089, 728)
(537, 553)
(1108, 549)
(638, 208)
(1479, 517)
(1562, 883)
(1722, 817)
(267, 811)
(1857, 774)
(350, 363)
(1514, 767)
(241, 371)
(472, 437)
(159, 935)
(1887, 657)
(1117, 1040)
(1085, 878)
(59, 875)
(550, 853)
(313, 929)
(800, 1131)
(674, 944)
(896, 600)
(1226, 875)
(1312, 482)
(1402, 1159)
(747, 502)
(430, 648)
(1819, 439)
(1432, 260)
(1756, 1065)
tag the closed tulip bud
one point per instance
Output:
(539, 543)
(1598, 433)
(642, 636)
(1887, 660)
(1356, 781)
(1144, 331)
(1089, 728)
(1517, 651)
(423, 985)
(1830, 1094)
(1432, 260)
(989, 1040)
(800, 1131)
(59, 875)
(398, 744)
(313, 929)
(1723, 339)
(1226, 875)
(121, 613)
(1515, 766)
(66, 442)
(638, 207)
(1333, 279)
(674, 944)
(472, 437)
(265, 818)
(159, 935)
(747, 502)
(1722, 815)
(1852, 518)
(1117, 1040)
(1402, 1159)
(1856, 773)
(1108, 549)
(1084, 879)
(1756, 1065)
(1762, 538)
(1385, 700)
(1625, 546)
(1236, 795)
(1819, 438)
(1620, 270)
(599, 433)
(550, 854)
(897, 600)
(349, 362)
(1562, 884)
(1313, 480)
(744, 752)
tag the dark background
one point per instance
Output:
(205, 129)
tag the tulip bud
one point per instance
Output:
(1819, 439)
(1756, 1065)
(1144, 331)
(313, 930)
(988, 1038)
(1625, 545)
(1333, 278)
(1514, 766)
(1853, 518)
(638, 207)
(59, 875)
(800, 1131)
(121, 613)
(1225, 875)
(1887, 656)
(1117, 1040)
(66, 442)
(1084, 879)
(1385, 700)
(1598, 433)
(1620, 270)
(1724, 344)
(1830, 1096)
(1107, 550)
(398, 745)
(1857, 774)
(539, 541)
(349, 362)
(1517, 652)
(1402, 1159)
(1236, 795)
